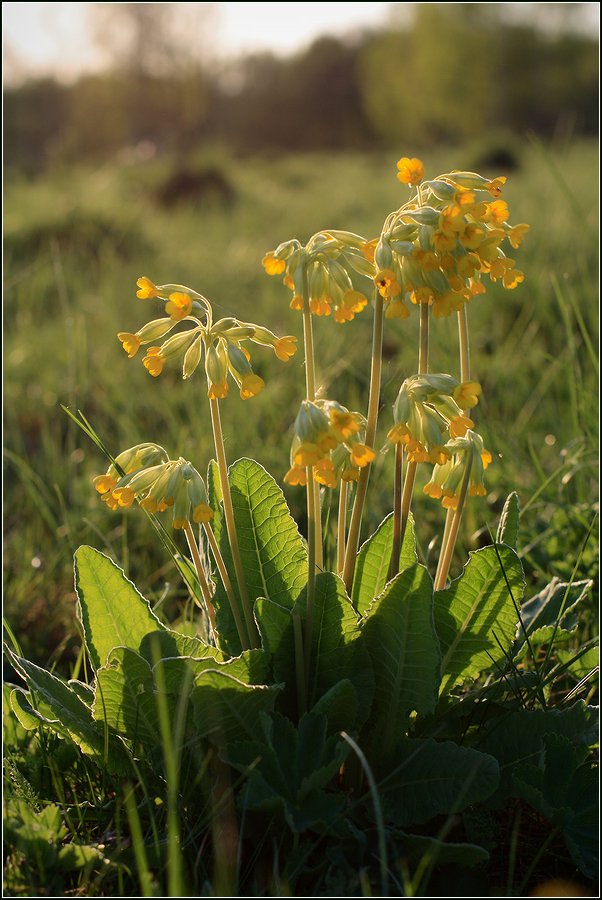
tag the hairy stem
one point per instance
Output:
(253, 636)
(200, 573)
(221, 568)
(362, 485)
(341, 526)
(447, 553)
(397, 497)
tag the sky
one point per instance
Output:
(56, 38)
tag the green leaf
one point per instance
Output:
(400, 636)
(517, 738)
(566, 793)
(272, 552)
(580, 665)
(69, 716)
(373, 562)
(507, 532)
(251, 667)
(227, 710)
(125, 697)
(112, 612)
(475, 617)
(426, 778)
(338, 650)
(339, 705)
(552, 610)
(214, 491)
(419, 847)
(288, 770)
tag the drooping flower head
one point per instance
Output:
(446, 481)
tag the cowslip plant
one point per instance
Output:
(370, 698)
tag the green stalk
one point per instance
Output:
(200, 574)
(310, 393)
(397, 498)
(253, 636)
(362, 485)
(341, 526)
(408, 485)
(221, 568)
(464, 376)
(447, 552)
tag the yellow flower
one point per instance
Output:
(130, 343)
(296, 302)
(104, 483)
(361, 455)
(218, 390)
(179, 522)
(433, 490)
(399, 434)
(486, 458)
(307, 454)
(342, 314)
(466, 394)
(411, 171)
(285, 347)
(124, 496)
(442, 241)
(472, 237)
(477, 490)
(497, 212)
(345, 424)
(368, 248)
(148, 290)
(422, 295)
(272, 265)
(111, 501)
(439, 455)
(459, 425)
(354, 301)
(450, 500)
(397, 310)
(202, 513)
(296, 475)
(516, 234)
(350, 473)
(451, 219)
(324, 473)
(251, 385)
(320, 306)
(152, 362)
(387, 284)
(178, 306)
(495, 186)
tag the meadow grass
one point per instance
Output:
(76, 240)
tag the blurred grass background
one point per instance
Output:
(190, 176)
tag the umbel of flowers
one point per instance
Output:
(436, 253)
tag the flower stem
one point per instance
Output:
(299, 665)
(311, 567)
(310, 393)
(447, 552)
(221, 567)
(397, 497)
(408, 484)
(362, 486)
(464, 376)
(253, 636)
(341, 529)
(200, 573)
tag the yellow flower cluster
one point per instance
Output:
(447, 477)
(437, 247)
(221, 342)
(319, 270)
(158, 483)
(427, 413)
(329, 440)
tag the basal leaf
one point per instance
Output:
(507, 532)
(426, 778)
(227, 710)
(373, 562)
(554, 609)
(125, 697)
(417, 847)
(339, 705)
(399, 633)
(69, 716)
(273, 556)
(251, 667)
(476, 617)
(112, 611)
(337, 646)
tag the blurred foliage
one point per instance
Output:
(452, 72)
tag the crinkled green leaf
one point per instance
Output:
(338, 650)
(289, 768)
(125, 697)
(399, 633)
(417, 847)
(373, 561)
(580, 665)
(476, 617)
(227, 710)
(517, 738)
(550, 612)
(425, 778)
(251, 667)
(112, 611)
(565, 791)
(339, 705)
(70, 717)
(507, 532)
(272, 552)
